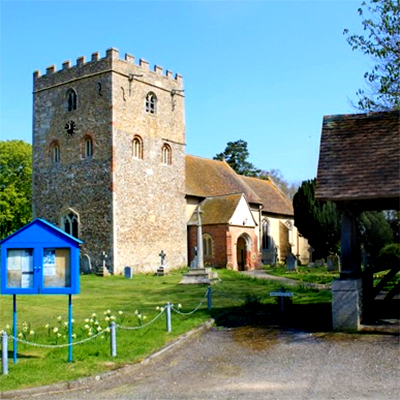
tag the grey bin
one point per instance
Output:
(128, 272)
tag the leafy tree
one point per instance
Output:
(15, 185)
(318, 221)
(236, 155)
(381, 23)
(288, 188)
(375, 232)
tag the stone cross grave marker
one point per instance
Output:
(160, 270)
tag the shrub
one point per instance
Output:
(389, 256)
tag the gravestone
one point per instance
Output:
(195, 261)
(291, 262)
(128, 272)
(333, 262)
(310, 256)
(86, 265)
(319, 263)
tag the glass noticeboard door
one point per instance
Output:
(38, 270)
(56, 268)
(20, 272)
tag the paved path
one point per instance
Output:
(254, 363)
(261, 274)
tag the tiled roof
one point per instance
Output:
(205, 178)
(217, 210)
(273, 200)
(359, 157)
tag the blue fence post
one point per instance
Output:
(209, 298)
(168, 313)
(4, 353)
(113, 340)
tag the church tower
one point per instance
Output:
(109, 159)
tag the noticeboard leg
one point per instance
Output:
(70, 328)
(15, 328)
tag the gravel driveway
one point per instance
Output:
(256, 363)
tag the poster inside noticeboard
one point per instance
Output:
(20, 268)
(56, 268)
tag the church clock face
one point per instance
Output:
(70, 127)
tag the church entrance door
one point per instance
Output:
(241, 254)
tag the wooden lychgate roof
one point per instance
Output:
(359, 160)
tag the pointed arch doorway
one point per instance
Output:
(242, 253)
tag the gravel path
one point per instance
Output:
(257, 363)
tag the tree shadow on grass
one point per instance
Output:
(310, 318)
(303, 317)
(10, 355)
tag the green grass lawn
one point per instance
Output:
(133, 303)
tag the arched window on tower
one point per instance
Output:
(71, 100)
(137, 147)
(87, 147)
(70, 223)
(151, 103)
(166, 154)
(55, 152)
(266, 239)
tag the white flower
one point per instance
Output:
(87, 326)
(107, 318)
(158, 308)
(136, 312)
(47, 326)
(74, 335)
(144, 317)
(59, 318)
(72, 320)
(107, 329)
(179, 305)
(86, 319)
(94, 315)
(108, 311)
(65, 323)
(55, 330)
(31, 332)
(112, 317)
(20, 334)
(7, 326)
(120, 312)
(98, 328)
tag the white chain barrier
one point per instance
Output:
(57, 345)
(112, 329)
(131, 328)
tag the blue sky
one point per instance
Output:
(262, 71)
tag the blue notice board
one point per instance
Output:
(40, 258)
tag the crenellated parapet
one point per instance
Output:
(97, 65)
